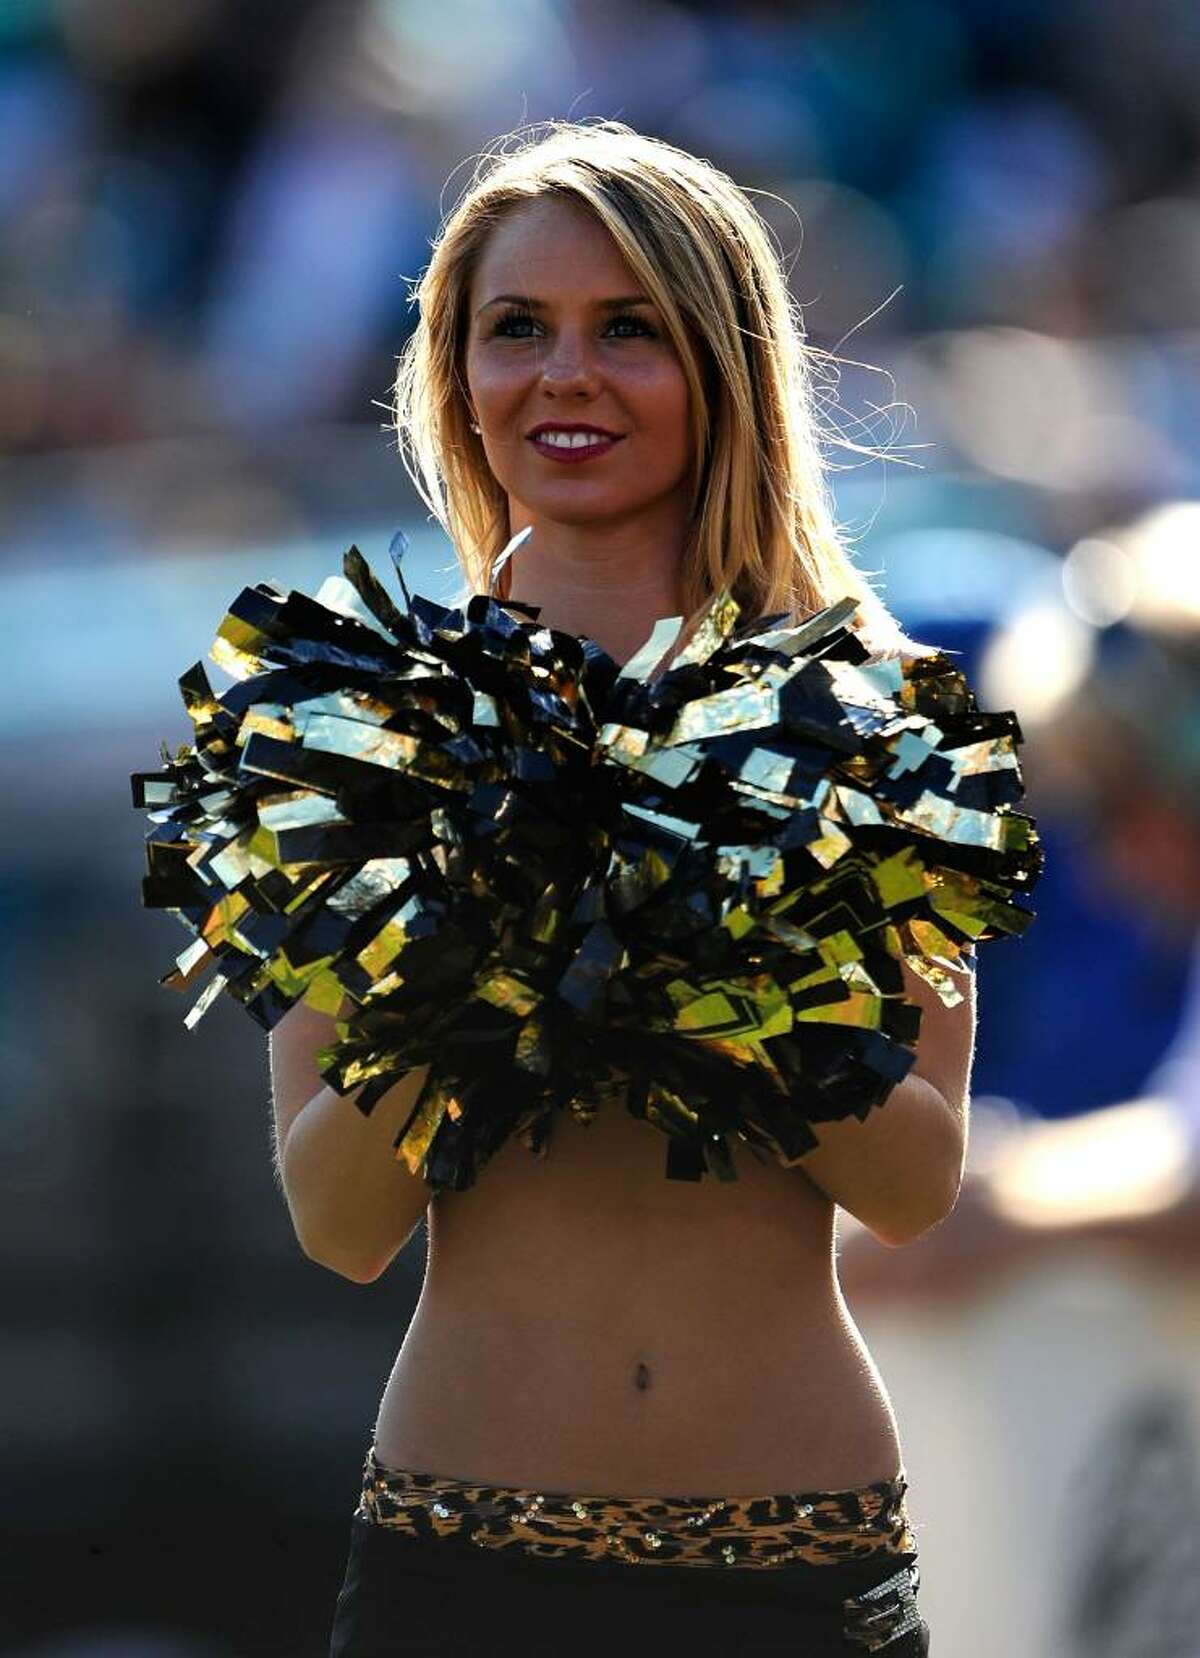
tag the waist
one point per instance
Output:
(746, 1404)
(756, 1531)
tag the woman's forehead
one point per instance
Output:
(554, 244)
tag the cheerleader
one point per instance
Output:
(632, 1407)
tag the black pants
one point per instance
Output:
(405, 1596)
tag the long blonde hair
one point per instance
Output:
(762, 519)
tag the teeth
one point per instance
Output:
(571, 440)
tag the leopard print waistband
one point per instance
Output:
(816, 1527)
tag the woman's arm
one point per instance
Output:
(353, 1204)
(899, 1172)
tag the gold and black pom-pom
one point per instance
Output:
(481, 846)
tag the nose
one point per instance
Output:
(569, 366)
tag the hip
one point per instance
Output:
(442, 1565)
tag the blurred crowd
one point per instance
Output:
(212, 210)
(211, 215)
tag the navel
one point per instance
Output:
(641, 1377)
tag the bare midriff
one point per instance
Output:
(587, 1325)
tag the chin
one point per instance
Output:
(587, 501)
(578, 514)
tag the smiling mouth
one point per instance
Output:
(572, 444)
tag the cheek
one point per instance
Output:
(666, 405)
(494, 381)
(482, 385)
(496, 389)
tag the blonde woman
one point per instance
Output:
(628, 1411)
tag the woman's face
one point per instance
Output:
(579, 395)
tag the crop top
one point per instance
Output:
(685, 886)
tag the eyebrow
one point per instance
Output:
(622, 303)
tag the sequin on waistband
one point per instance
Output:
(816, 1527)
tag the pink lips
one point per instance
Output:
(601, 444)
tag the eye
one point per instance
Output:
(629, 319)
(513, 323)
(516, 324)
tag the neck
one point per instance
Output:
(610, 582)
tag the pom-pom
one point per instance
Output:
(483, 847)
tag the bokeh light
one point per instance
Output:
(212, 217)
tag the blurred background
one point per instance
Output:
(209, 216)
